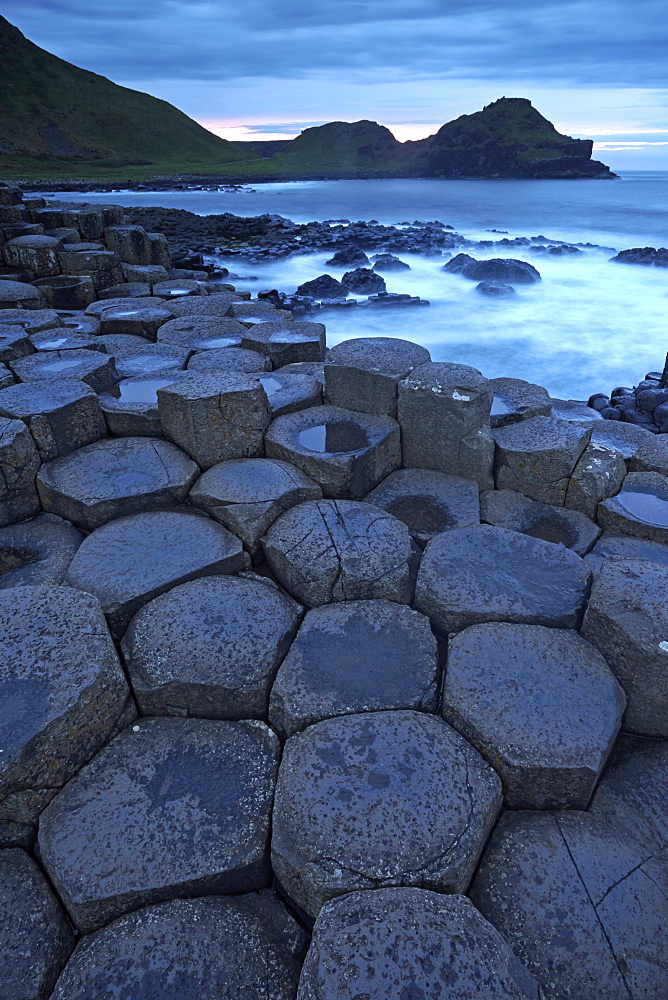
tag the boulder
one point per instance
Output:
(512, 510)
(38, 551)
(363, 281)
(61, 415)
(347, 256)
(324, 287)
(170, 808)
(388, 262)
(495, 289)
(19, 462)
(384, 798)
(364, 374)
(537, 457)
(504, 269)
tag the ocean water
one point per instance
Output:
(588, 326)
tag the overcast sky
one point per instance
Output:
(267, 69)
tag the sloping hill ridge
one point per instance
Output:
(54, 113)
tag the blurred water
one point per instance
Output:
(588, 326)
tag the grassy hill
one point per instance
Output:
(59, 120)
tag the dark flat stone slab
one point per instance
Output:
(552, 523)
(428, 502)
(38, 551)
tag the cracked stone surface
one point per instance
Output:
(376, 800)
(627, 619)
(38, 551)
(210, 647)
(341, 550)
(581, 905)
(19, 462)
(444, 413)
(96, 369)
(560, 525)
(248, 494)
(402, 942)
(290, 391)
(515, 400)
(35, 938)
(357, 656)
(473, 575)
(599, 473)
(170, 808)
(131, 560)
(364, 373)
(115, 477)
(611, 544)
(61, 416)
(428, 502)
(62, 695)
(542, 707)
(287, 343)
(213, 948)
(131, 406)
(214, 417)
(640, 508)
(347, 453)
(537, 457)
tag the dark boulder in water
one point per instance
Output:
(349, 255)
(363, 281)
(323, 287)
(495, 288)
(388, 262)
(514, 272)
(649, 256)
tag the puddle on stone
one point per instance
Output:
(270, 384)
(174, 292)
(58, 366)
(145, 363)
(112, 314)
(500, 407)
(207, 343)
(52, 345)
(251, 320)
(647, 507)
(141, 391)
(285, 337)
(421, 514)
(335, 438)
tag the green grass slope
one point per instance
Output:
(59, 120)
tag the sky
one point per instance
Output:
(266, 69)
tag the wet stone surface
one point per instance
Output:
(541, 705)
(61, 415)
(288, 392)
(357, 656)
(611, 544)
(131, 406)
(512, 510)
(381, 799)
(237, 359)
(202, 333)
(149, 359)
(324, 551)
(428, 502)
(363, 374)
(287, 343)
(63, 694)
(640, 508)
(170, 808)
(210, 647)
(401, 942)
(213, 948)
(38, 551)
(537, 457)
(19, 462)
(97, 370)
(515, 400)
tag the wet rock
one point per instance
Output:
(640, 508)
(211, 948)
(537, 457)
(512, 510)
(19, 462)
(495, 289)
(624, 438)
(611, 544)
(115, 477)
(131, 406)
(14, 343)
(210, 648)
(324, 287)
(505, 269)
(132, 560)
(136, 319)
(66, 340)
(347, 256)
(35, 938)
(345, 452)
(228, 359)
(289, 392)
(38, 254)
(202, 333)
(649, 256)
(574, 411)
(515, 400)
(324, 551)
(215, 417)
(144, 273)
(248, 494)
(357, 656)
(383, 798)
(388, 262)
(443, 411)
(363, 374)
(63, 694)
(599, 473)
(363, 281)
(428, 502)
(172, 807)
(252, 313)
(38, 551)
(6, 377)
(32, 320)
(61, 415)
(149, 359)
(127, 289)
(175, 288)
(216, 304)
(627, 619)
(541, 706)
(577, 904)
(652, 456)
(287, 343)
(97, 370)
(459, 583)
(97, 309)
(401, 942)
(19, 295)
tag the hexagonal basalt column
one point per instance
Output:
(20, 295)
(172, 807)
(537, 457)
(216, 417)
(131, 406)
(428, 502)
(288, 392)
(36, 253)
(19, 462)
(218, 304)
(627, 619)
(347, 453)
(610, 545)
(328, 550)
(385, 798)
(515, 400)
(228, 359)
(38, 551)
(433, 942)
(62, 416)
(540, 704)
(444, 411)
(287, 343)
(115, 477)
(213, 948)
(598, 475)
(357, 656)
(133, 317)
(14, 342)
(640, 508)
(210, 648)
(248, 494)
(474, 575)
(146, 358)
(35, 937)
(96, 369)
(363, 374)
(63, 694)
(560, 525)
(133, 559)
(202, 333)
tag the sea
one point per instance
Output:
(588, 326)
